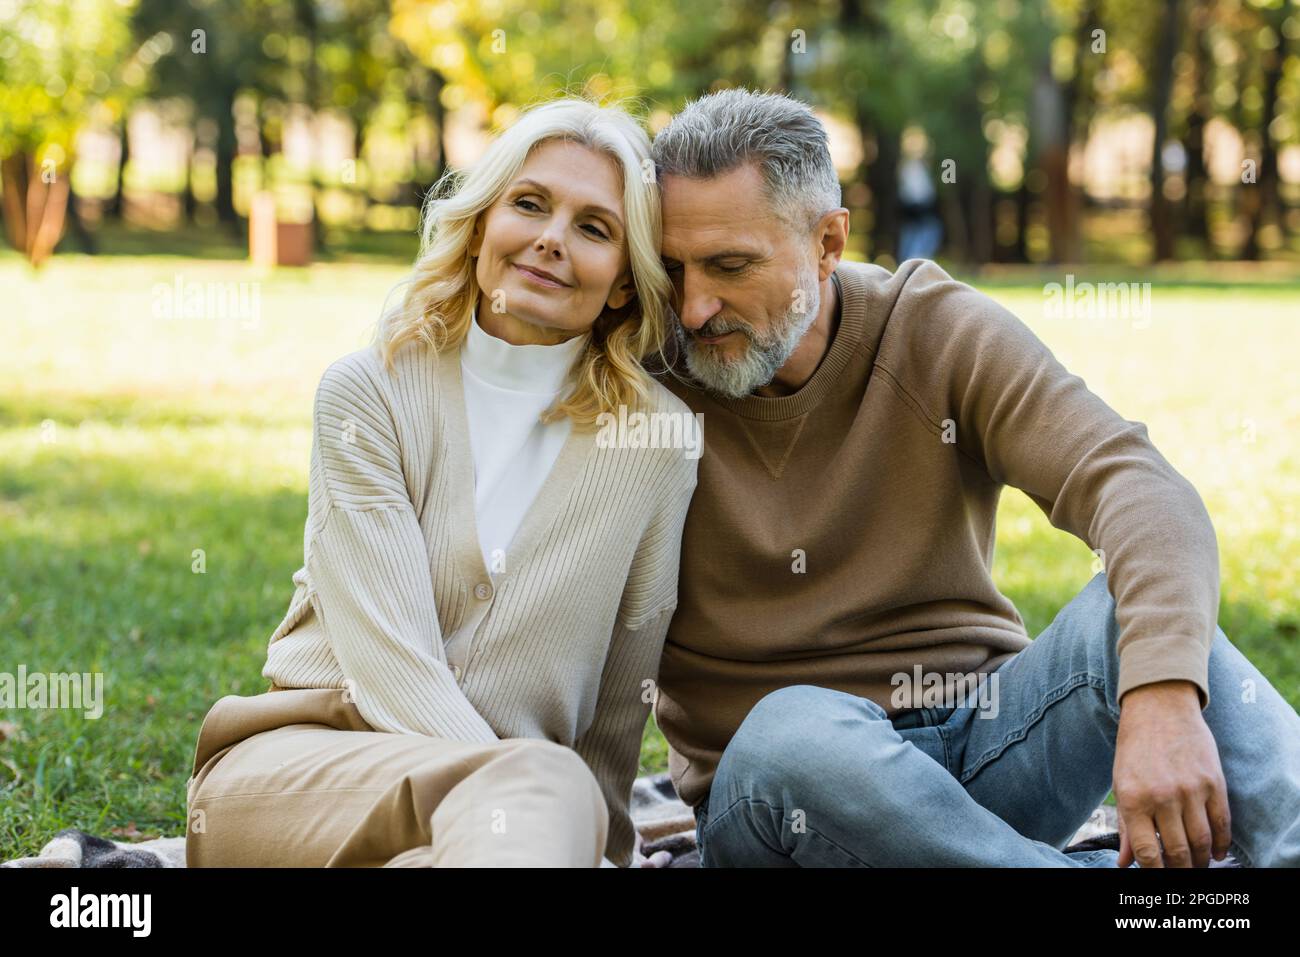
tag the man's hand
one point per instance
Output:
(1168, 779)
(657, 859)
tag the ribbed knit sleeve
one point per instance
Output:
(612, 745)
(367, 558)
(1037, 427)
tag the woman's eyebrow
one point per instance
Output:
(591, 207)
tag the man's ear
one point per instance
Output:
(624, 291)
(832, 238)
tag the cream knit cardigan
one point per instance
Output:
(393, 601)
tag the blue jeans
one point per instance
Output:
(821, 778)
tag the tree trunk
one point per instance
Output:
(117, 203)
(1265, 203)
(862, 18)
(361, 190)
(225, 155)
(305, 10)
(1049, 134)
(191, 204)
(77, 224)
(13, 170)
(1196, 221)
(1162, 225)
(1075, 93)
(1023, 201)
(979, 218)
(438, 113)
(35, 211)
(882, 179)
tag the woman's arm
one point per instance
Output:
(369, 565)
(611, 746)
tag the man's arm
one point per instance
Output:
(1034, 425)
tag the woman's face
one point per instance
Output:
(552, 250)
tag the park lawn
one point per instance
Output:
(130, 440)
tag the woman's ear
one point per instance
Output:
(624, 291)
(476, 238)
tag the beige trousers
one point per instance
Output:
(297, 778)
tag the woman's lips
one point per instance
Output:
(538, 277)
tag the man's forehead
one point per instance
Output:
(745, 182)
(724, 210)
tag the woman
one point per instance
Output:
(466, 666)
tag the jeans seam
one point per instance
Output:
(710, 821)
(1052, 697)
(732, 806)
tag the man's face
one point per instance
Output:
(745, 283)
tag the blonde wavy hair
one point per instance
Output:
(442, 291)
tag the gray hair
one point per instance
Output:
(722, 131)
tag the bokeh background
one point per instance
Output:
(205, 202)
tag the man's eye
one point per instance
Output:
(732, 269)
(672, 267)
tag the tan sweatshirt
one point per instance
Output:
(844, 534)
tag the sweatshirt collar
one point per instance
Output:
(536, 369)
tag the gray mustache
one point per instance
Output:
(706, 333)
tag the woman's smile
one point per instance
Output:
(540, 277)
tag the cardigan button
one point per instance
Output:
(455, 673)
(482, 591)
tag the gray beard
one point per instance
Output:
(737, 378)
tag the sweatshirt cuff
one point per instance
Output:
(1164, 658)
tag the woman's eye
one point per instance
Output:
(526, 204)
(595, 230)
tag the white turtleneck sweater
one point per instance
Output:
(506, 388)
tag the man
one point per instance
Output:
(835, 596)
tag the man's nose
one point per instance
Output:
(698, 305)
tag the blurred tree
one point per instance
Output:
(880, 96)
(58, 60)
(1001, 95)
(367, 66)
(508, 54)
(1262, 198)
(1194, 219)
(1170, 14)
(213, 48)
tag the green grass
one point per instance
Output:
(129, 440)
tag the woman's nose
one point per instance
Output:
(550, 244)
